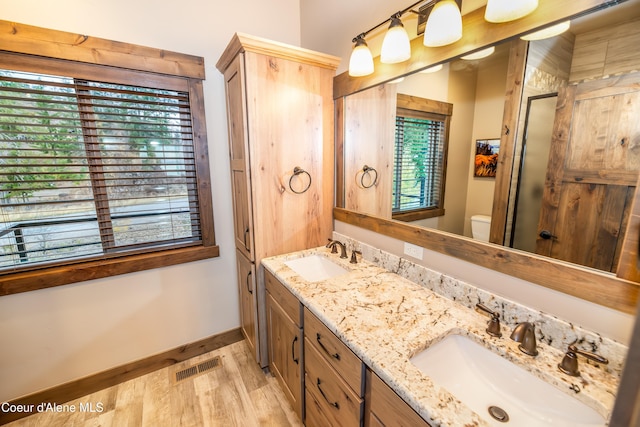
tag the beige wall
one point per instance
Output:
(56, 335)
(487, 123)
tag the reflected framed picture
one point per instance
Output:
(486, 160)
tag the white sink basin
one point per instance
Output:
(481, 379)
(314, 268)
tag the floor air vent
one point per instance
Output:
(192, 371)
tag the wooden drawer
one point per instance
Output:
(289, 303)
(334, 397)
(334, 352)
(314, 415)
(386, 408)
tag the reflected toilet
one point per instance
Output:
(480, 227)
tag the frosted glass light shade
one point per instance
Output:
(396, 46)
(433, 69)
(548, 32)
(508, 10)
(361, 60)
(480, 54)
(444, 25)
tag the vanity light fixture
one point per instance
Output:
(433, 69)
(479, 54)
(444, 25)
(396, 46)
(508, 10)
(548, 32)
(361, 60)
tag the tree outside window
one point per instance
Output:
(421, 140)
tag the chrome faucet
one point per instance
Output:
(525, 334)
(343, 249)
(569, 364)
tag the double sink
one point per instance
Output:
(496, 389)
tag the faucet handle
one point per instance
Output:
(569, 364)
(332, 245)
(354, 258)
(493, 328)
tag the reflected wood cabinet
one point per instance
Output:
(281, 126)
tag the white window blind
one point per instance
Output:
(92, 169)
(418, 163)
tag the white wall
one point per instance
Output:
(56, 335)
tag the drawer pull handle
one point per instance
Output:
(334, 404)
(293, 348)
(246, 246)
(248, 283)
(335, 355)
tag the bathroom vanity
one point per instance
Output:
(357, 330)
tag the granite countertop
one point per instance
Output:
(386, 319)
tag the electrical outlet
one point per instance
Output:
(413, 251)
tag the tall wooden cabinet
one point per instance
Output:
(280, 123)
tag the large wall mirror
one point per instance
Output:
(519, 159)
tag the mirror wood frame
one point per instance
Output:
(619, 292)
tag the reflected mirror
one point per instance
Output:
(568, 198)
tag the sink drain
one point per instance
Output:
(498, 414)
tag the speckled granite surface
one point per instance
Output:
(386, 318)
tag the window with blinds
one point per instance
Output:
(93, 169)
(417, 174)
(420, 157)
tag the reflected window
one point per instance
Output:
(421, 140)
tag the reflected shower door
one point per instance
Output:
(533, 166)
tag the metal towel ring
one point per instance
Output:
(297, 171)
(365, 171)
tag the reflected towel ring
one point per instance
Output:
(297, 171)
(365, 171)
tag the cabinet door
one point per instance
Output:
(248, 300)
(285, 352)
(238, 149)
(383, 407)
(290, 111)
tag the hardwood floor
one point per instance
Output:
(235, 393)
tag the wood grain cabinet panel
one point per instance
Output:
(334, 352)
(280, 121)
(385, 408)
(333, 376)
(284, 333)
(340, 404)
(247, 294)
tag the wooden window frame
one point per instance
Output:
(422, 108)
(28, 48)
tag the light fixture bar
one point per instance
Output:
(397, 14)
